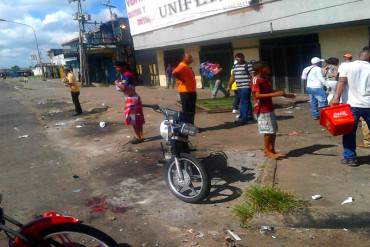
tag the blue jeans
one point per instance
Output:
(245, 104)
(317, 98)
(349, 141)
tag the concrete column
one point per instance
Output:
(161, 68)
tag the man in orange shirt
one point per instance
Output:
(186, 86)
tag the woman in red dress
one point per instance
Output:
(133, 113)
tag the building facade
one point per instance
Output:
(284, 33)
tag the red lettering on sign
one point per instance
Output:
(134, 13)
(131, 3)
(143, 20)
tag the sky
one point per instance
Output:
(53, 22)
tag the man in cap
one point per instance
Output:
(315, 86)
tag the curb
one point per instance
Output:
(268, 175)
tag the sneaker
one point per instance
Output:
(352, 162)
(237, 117)
(235, 111)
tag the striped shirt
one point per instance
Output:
(242, 76)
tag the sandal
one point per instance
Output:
(135, 141)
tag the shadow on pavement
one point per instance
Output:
(279, 117)
(363, 160)
(310, 150)
(223, 177)
(224, 126)
(339, 220)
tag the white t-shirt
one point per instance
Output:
(344, 97)
(314, 77)
(358, 76)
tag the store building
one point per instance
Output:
(284, 33)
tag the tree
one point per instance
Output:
(15, 68)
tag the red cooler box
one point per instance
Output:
(338, 119)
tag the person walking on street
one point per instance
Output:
(243, 79)
(356, 76)
(264, 109)
(70, 81)
(186, 86)
(133, 113)
(170, 81)
(218, 84)
(315, 86)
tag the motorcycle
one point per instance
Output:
(185, 175)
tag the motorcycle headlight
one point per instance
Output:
(165, 131)
(188, 129)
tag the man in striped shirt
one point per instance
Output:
(243, 79)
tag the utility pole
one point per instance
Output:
(37, 45)
(82, 18)
(109, 5)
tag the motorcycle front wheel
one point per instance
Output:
(195, 185)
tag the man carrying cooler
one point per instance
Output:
(355, 75)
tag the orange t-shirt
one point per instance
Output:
(185, 78)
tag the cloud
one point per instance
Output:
(52, 20)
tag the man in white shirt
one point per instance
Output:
(315, 81)
(355, 75)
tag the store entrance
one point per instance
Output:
(288, 56)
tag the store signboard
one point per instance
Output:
(148, 15)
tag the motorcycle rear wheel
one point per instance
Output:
(196, 185)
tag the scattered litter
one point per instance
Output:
(121, 230)
(24, 136)
(76, 176)
(79, 126)
(251, 154)
(78, 119)
(288, 112)
(112, 218)
(60, 124)
(316, 197)
(290, 107)
(200, 235)
(345, 229)
(102, 124)
(266, 229)
(77, 191)
(273, 236)
(348, 200)
(234, 235)
(16, 129)
(293, 133)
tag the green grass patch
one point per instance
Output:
(217, 103)
(258, 199)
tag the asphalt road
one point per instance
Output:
(34, 176)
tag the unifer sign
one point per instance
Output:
(148, 15)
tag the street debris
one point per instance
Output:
(288, 112)
(316, 197)
(345, 229)
(23, 136)
(102, 124)
(77, 191)
(348, 200)
(251, 154)
(234, 235)
(60, 124)
(266, 229)
(79, 126)
(274, 237)
(16, 129)
(294, 133)
(76, 176)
